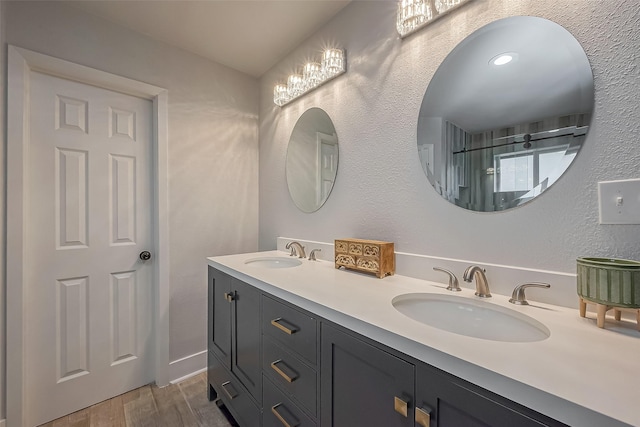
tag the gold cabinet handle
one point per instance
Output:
(229, 296)
(232, 393)
(423, 417)
(401, 406)
(278, 323)
(284, 422)
(274, 366)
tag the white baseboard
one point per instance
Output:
(192, 374)
(502, 278)
(186, 367)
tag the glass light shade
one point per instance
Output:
(295, 85)
(444, 5)
(312, 74)
(333, 61)
(412, 14)
(280, 94)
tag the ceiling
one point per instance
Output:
(249, 36)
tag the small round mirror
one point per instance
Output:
(505, 114)
(312, 160)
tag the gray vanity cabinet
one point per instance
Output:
(234, 362)
(362, 385)
(274, 364)
(447, 401)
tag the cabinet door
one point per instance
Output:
(246, 359)
(452, 402)
(234, 396)
(220, 315)
(363, 385)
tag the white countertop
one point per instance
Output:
(578, 374)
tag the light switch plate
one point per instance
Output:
(619, 201)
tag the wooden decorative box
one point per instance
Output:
(369, 256)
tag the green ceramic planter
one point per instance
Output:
(609, 281)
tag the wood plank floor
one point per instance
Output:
(178, 405)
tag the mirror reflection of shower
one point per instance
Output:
(511, 166)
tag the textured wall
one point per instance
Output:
(3, 288)
(213, 153)
(381, 191)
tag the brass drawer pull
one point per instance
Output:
(423, 417)
(274, 365)
(284, 422)
(401, 406)
(231, 392)
(278, 323)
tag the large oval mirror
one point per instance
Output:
(505, 114)
(312, 160)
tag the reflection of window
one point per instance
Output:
(525, 170)
(515, 172)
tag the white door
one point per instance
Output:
(88, 296)
(328, 147)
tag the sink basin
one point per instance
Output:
(478, 319)
(274, 262)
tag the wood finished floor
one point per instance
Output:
(177, 405)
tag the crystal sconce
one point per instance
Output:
(313, 75)
(415, 14)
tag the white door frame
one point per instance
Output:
(20, 63)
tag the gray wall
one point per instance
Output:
(3, 288)
(381, 191)
(213, 151)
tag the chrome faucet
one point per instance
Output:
(518, 297)
(477, 273)
(296, 248)
(312, 255)
(453, 280)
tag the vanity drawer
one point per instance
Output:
(295, 330)
(280, 411)
(234, 396)
(295, 377)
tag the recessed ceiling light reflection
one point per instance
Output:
(503, 58)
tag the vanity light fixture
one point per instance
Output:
(415, 14)
(314, 74)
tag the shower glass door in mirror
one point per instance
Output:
(505, 114)
(312, 160)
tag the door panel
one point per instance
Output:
(72, 328)
(328, 164)
(122, 199)
(71, 198)
(88, 296)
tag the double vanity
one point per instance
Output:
(297, 342)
